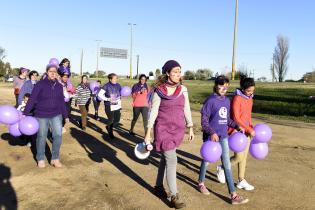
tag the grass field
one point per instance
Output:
(272, 100)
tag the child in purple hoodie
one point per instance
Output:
(215, 120)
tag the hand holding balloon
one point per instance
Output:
(215, 137)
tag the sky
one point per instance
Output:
(198, 34)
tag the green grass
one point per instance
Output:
(272, 100)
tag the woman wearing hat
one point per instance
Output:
(47, 104)
(169, 116)
(18, 83)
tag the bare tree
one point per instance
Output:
(281, 56)
(243, 70)
(272, 71)
(2, 53)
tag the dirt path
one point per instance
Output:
(104, 174)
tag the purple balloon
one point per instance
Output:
(9, 114)
(258, 150)
(54, 61)
(69, 84)
(263, 133)
(66, 96)
(94, 86)
(211, 151)
(29, 126)
(237, 142)
(14, 130)
(125, 91)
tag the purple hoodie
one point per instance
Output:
(111, 90)
(215, 116)
(47, 100)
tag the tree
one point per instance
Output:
(74, 74)
(2, 53)
(189, 75)
(237, 76)
(203, 74)
(281, 56)
(151, 73)
(243, 70)
(273, 75)
(157, 72)
(86, 73)
(101, 74)
(5, 68)
(262, 79)
(309, 76)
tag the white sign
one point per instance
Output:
(113, 52)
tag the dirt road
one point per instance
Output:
(99, 173)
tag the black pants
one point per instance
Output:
(87, 105)
(113, 116)
(136, 112)
(68, 108)
(16, 101)
(96, 105)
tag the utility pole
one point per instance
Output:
(81, 72)
(97, 55)
(137, 66)
(131, 40)
(234, 42)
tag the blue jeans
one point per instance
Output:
(55, 123)
(225, 158)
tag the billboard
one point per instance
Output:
(113, 53)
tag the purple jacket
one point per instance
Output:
(111, 91)
(47, 100)
(215, 116)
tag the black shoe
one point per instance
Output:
(110, 131)
(160, 192)
(132, 133)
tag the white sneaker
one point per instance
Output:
(244, 185)
(220, 174)
(29, 144)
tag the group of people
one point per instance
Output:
(165, 109)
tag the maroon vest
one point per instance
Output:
(169, 127)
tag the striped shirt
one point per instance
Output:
(83, 94)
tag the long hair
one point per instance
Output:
(83, 77)
(246, 82)
(64, 61)
(162, 79)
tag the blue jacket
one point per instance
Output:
(26, 88)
